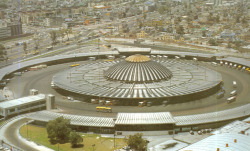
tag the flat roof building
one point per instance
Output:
(221, 142)
(13, 107)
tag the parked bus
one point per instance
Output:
(103, 109)
(221, 63)
(214, 64)
(92, 58)
(235, 66)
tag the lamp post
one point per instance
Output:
(114, 132)
(93, 147)
(27, 129)
(114, 139)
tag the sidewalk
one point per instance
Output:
(20, 139)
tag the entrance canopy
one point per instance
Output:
(144, 118)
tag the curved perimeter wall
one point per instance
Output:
(235, 113)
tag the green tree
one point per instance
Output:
(76, 36)
(217, 18)
(3, 6)
(58, 130)
(62, 33)
(244, 21)
(137, 142)
(180, 30)
(237, 19)
(203, 33)
(75, 139)
(2, 50)
(213, 42)
(161, 9)
(25, 47)
(53, 36)
(36, 41)
(237, 44)
(68, 31)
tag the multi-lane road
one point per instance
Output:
(41, 79)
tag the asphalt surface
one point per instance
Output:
(41, 79)
(11, 135)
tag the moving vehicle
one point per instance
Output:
(231, 99)
(103, 109)
(223, 89)
(53, 86)
(17, 73)
(234, 84)
(107, 45)
(74, 65)
(233, 93)
(220, 95)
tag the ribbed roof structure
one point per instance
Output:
(137, 58)
(138, 68)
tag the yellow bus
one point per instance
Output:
(104, 109)
(74, 65)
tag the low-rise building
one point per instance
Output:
(25, 104)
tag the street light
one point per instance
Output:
(27, 129)
(114, 139)
(93, 147)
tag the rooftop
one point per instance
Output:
(144, 118)
(219, 141)
(234, 127)
(20, 101)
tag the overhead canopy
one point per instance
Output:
(144, 118)
(74, 119)
(21, 101)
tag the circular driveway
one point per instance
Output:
(41, 79)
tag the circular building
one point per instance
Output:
(139, 78)
(138, 69)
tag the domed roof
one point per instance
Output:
(138, 68)
(137, 58)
